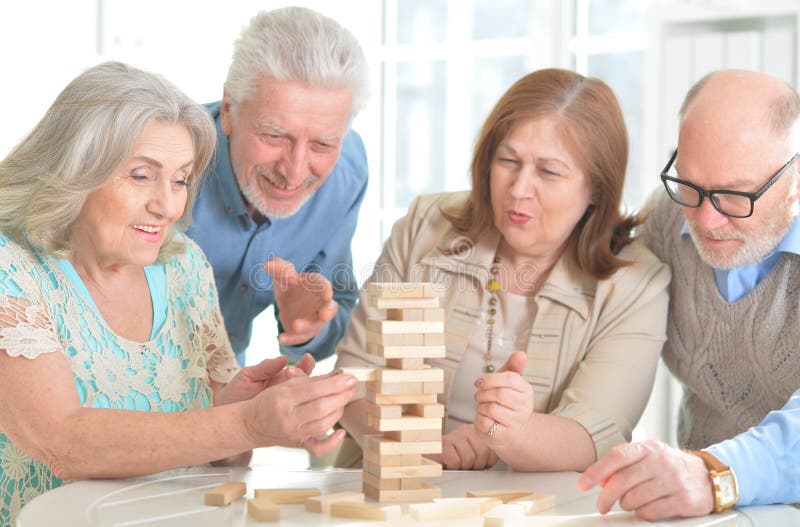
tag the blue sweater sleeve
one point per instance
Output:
(766, 458)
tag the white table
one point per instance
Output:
(175, 498)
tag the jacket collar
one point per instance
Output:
(565, 285)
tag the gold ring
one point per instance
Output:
(492, 429)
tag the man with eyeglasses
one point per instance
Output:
(727, 225)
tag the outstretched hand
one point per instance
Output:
(304, 300)
(252, 380)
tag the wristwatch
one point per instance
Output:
(723, 481)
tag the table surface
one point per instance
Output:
(175, 498)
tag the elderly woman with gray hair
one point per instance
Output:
(114, 360)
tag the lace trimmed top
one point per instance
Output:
(169, 373)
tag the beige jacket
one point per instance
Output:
(593, 347)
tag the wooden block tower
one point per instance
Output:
(402, 397)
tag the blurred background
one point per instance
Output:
(437, 67)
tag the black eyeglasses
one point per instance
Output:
(728, 202)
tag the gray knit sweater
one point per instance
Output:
(736, 361)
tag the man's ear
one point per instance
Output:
(226, 114)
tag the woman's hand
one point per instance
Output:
(252, 380)
(466, 449)
(505, 405)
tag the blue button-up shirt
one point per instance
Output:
(316, 238)
(733, 284)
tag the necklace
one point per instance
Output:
(493, 286)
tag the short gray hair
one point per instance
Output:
(297, 44)
(87, 133)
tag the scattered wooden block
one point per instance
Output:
(505, 495)
(536, 502)
(426, 493)
(425, 410)
(485, 504)
(413, 363)
(362, 374)
(406, 352)
(402, 290)
(387, 446)
(322, 504)
(365, 511)
(395, 327)
(403, 303)
(503, 515)
(263, 510)
(415, 375)
(443, 510)
(286, 496)
(224, 494)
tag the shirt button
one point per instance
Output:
(243, 288)
(229, 210)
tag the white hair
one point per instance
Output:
(297, 44)
(87, 133)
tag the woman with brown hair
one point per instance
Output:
(536, 257)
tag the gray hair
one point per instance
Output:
(297, 44)
(88, 132)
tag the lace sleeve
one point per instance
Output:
(220, 360)
(25, 329)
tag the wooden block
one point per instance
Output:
(536, 502)
(406, 352)
(433, 315)
(426, 493)
(392, 460)
(407, 423)
(503, 515)
(413, 339)
(414, 363)
(505, 495)
(421, 435)
(443, 511)
(362, 374)
(485, 504)
(386, 446)
(365, 511)
(379, 339)
(434, 339)
(224, 494)
(407, 315)
(263, 510)
(428, 469)
(395, 327)
(403, 303)
(425, 410)
(433, 387)
(286, 496)
(370, 479)
(411, 484)
(392, 388)
(322, 504)
(418, 375)
(402, 290)
(385, 411)
(411, 398)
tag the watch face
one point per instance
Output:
(726, 494)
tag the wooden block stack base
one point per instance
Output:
(403, 397)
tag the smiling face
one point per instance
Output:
(126, 221)
(538, 191)
(284, 141)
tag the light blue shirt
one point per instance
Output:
(733, 284)
(316, 238)
(766, 458)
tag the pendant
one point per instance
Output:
(489, 368)
(493, 286)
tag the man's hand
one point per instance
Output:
(250, 381)
(465, 449)
(505, 404)
(653, 479)
(305, 301)
(295, 412)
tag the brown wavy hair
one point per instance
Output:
(592, 126)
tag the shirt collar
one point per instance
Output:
(225, 177)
